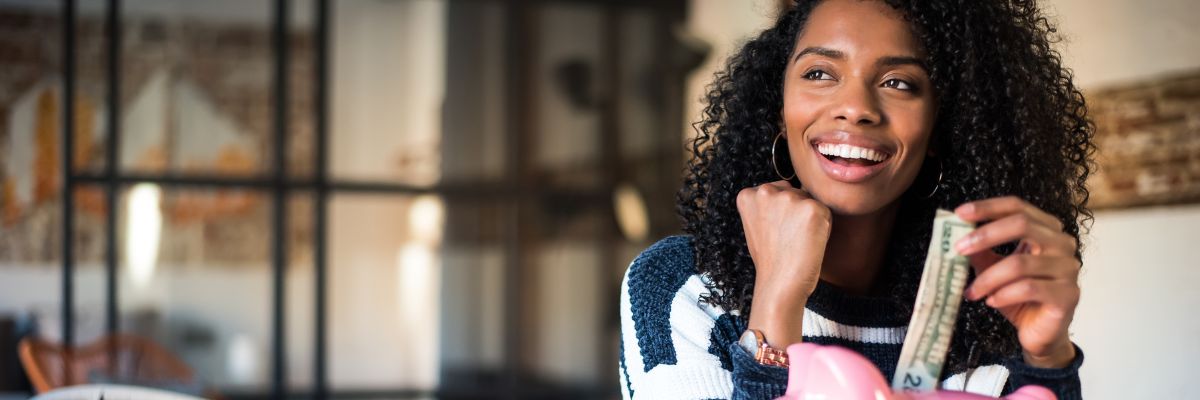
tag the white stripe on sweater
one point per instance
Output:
(816, 325)
(987, 380)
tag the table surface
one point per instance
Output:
(111, 392)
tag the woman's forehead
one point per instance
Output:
(859, 27)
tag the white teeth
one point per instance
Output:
(848, 151)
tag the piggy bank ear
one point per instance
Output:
(799, 359)
(1031, 392)
(832, 372)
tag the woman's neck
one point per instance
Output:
(855, 251)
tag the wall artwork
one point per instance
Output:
(1148, 139)
(195, 100)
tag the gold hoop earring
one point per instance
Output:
(938, 183)
(775, 164)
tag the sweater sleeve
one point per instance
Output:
(1064, 382)
(673, 346)
(752, 380)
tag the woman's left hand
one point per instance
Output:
(1036, 287)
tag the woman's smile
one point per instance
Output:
(850, 158)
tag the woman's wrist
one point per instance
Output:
(781, 323)
(1060, 357)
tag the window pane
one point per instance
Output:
(651, 153)
(640, 103)
(32, 270)
(31, 132)
(418, 91)
(300, 295)
(472, 316)
(90, 284)
(196, 86)
(301, 144)
(195, 276)
(91, 86)
(572, 298)
(31, 171)
(476, 106)
(569, 313)
(569, 93)
(383, 288)
(419, 280)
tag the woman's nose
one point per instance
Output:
(856, 104)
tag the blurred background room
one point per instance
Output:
(438, 198)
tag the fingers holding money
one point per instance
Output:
(982, 260)
(1035, 232)
(1045, 251)
(995, 208)
(1021, 267)
(1055, 294)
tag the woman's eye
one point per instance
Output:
(817, 74)
(897, 84)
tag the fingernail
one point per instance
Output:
(970, 293)
(964, 243)
(967, 209)
(991, 302)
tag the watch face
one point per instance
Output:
(749, 342)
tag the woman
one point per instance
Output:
(826, 146)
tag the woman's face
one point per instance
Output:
(858, 106)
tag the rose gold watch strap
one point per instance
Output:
(766, 355)
(770, 356)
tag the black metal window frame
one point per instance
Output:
(277, 182)
(518, 137)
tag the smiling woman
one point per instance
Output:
(825, 147)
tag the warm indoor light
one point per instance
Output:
(632, 217)
(143, 228)
(417, 295)
(425, 218)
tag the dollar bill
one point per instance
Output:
(936, 308)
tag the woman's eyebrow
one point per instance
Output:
(892, 61)
(820, 51)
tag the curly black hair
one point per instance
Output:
(1010, 122)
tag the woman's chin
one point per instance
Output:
(852, 204)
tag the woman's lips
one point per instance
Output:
(849, 173)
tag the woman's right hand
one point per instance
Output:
(786, 231)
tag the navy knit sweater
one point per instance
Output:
(675, 347)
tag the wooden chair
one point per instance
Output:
(121, 357)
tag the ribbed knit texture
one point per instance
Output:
(675, 347)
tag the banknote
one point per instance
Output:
(936, 307)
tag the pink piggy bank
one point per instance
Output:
(831, 372)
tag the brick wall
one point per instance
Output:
(231, 64)
(1148, 134)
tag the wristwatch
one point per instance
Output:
(754, 342)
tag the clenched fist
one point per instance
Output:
(786, 232)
